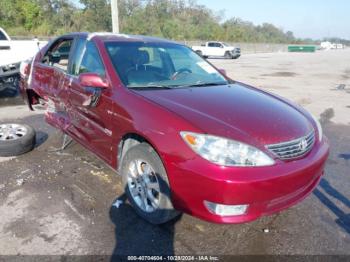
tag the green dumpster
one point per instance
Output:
(302, 48)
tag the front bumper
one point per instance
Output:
(9, 70)
(266, 190)
(236, 53)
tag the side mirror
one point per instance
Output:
(93, 85)
(92, 80)
(222, 71)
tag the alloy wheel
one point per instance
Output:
(143, 185)
(12, 131)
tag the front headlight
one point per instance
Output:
(319, 128)
(226, 152)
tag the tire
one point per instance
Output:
(228, 55)
(16, 139)
(143, 157)
(199, 53)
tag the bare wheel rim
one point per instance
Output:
(12, 131)
(143, 185)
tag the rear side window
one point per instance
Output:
(87, 59)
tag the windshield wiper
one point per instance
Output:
(206, 84)
(149, 87)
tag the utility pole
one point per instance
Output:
(115, 18)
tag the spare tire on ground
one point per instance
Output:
(16, 139)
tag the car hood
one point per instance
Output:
(235, 111)
(19, 51)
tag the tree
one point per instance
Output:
(174, 19)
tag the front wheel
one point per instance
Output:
(146, 184)
(228, 55)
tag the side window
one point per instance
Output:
(91, 61)
(86, 58)
(77, 56)
(211, 44)
(58, 54)
(2, 36)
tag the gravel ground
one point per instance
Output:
(61, 203)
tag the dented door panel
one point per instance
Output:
(91, 125)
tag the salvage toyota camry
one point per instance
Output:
(183, 136)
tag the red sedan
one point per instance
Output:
(183, 136)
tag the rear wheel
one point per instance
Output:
(16, 139)
(146, 184)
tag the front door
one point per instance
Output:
(48, 81)
(90, 124)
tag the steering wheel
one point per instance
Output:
(179, 72)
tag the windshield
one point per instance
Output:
(161, 65)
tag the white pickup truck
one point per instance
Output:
(12, 53)
(217, 49)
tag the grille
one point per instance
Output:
(9, 69)
(293, 149)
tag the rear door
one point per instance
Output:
(90, 124)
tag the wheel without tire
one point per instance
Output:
(146, 184)
(16, 139)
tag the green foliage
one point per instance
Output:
(174, 19)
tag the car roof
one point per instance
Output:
(107, 36)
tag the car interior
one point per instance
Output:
(135, 67)
(57, 56)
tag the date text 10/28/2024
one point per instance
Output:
(173, 258)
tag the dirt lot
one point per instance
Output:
(62, 202)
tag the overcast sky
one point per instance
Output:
(306, 18)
